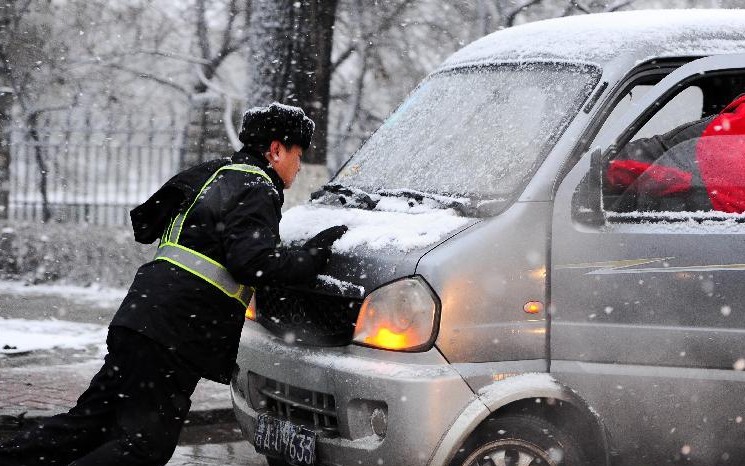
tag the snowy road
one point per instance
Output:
(217, 444)
(64, 328)
(228, 454)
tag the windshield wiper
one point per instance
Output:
(461, 205)
(358, 197)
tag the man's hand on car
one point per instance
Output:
(319, 246)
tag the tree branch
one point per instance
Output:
(576, 4)
(111, 56)
(228, 45)
(18, 92)
(24, 8)
(354, 108)
(34, 113)
(384, 25)
(201, 24)
(227, 118)
(227, 35)
(150, 77)
(509, 18)
(617, 5)
(567, 9)
(210, 85)
(437, 28)
(227, 51)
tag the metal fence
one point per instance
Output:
(89, 175)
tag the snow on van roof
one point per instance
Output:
(599, 38)
(403, 230)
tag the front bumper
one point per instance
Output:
(420, 394)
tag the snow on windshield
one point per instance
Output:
(476, 133)
(399, 231)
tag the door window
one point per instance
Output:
(683, 163)
(684, 107)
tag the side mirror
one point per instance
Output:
(587, 205)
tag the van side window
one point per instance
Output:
(673, 168)
(622, 106)
(686, 106)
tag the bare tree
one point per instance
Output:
(211, 126)
(31, 65)
(204, 35)
(290, 60)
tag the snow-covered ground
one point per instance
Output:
(20, 335)
(99, 296)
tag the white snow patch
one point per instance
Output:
(377, 368)
(404, 231)
(355, 364)
(102, 297)
(526, 381)
(700, 222)
(539, 383)
(370, 442)
(391, 203)
(342, 285)
(602, 37)
(21, 335)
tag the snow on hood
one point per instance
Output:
(598, 38)
(400, 228)
(21, 335)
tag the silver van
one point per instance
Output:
(496, 300)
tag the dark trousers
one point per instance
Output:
(131, 414)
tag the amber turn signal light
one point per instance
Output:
(251, 309)
(533, 307)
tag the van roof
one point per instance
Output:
(600, 38)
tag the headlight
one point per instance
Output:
(402, 316)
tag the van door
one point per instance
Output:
(647, 280)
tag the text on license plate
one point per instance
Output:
(280, 438)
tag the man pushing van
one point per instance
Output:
(218, 225)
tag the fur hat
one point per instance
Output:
(285, 123)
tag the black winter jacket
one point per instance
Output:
(236, 223)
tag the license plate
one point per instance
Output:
(283, 439)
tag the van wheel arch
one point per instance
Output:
(574, 425)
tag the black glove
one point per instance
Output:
(319, 246)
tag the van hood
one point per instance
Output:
(381, 245)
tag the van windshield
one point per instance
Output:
(477, 132)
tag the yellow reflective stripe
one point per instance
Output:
(167, 233)
(204, 267)
(180, 218)
(220, 272)
(238, 295)
(248, 169)
(227, 279)
(195, 253)
(236, 166)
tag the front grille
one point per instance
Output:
(314, 410)
(307, 318)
